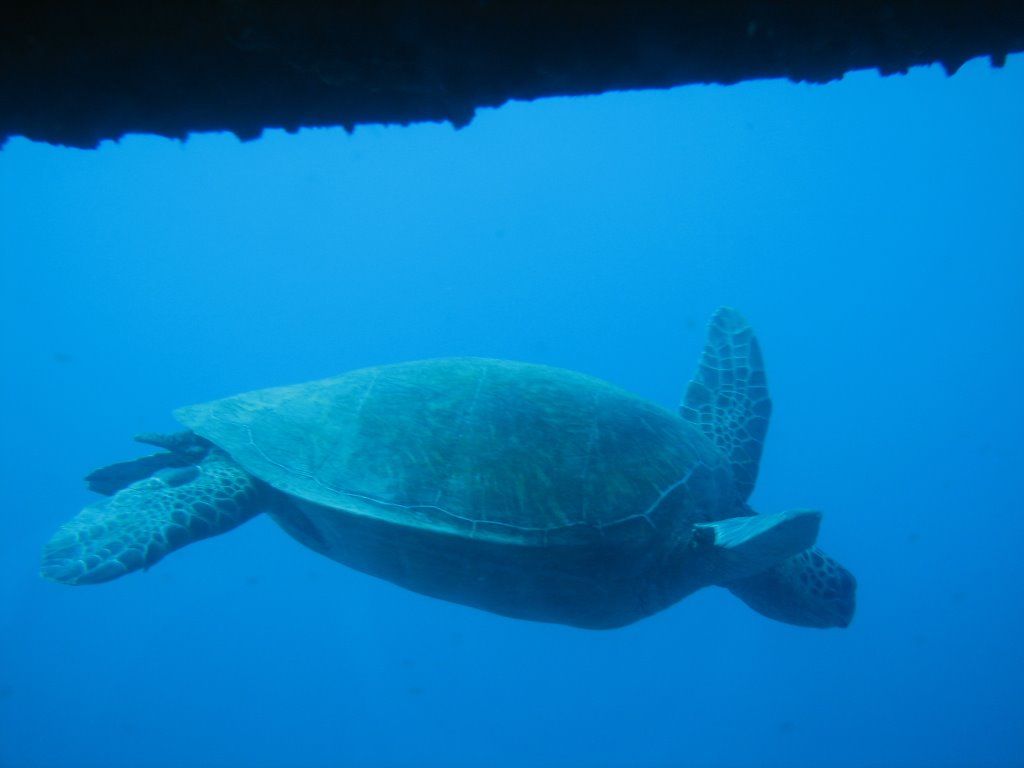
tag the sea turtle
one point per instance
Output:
(525, 490)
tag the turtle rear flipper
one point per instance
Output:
(728, 396)
(745, 546)
(150, 518)
(809, 589)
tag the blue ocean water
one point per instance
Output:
(870, 230)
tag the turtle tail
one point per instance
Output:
(149, 518)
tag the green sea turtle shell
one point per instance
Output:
(479, 449)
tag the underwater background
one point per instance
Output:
(870, 230)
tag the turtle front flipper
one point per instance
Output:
(809, 589)
(181, 449)
(150, 518)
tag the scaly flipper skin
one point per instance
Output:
(809, 589)
(728, 401)
(150, 518)
(728, 396)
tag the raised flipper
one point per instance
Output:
(112, 478)
(150, 518)
(809, 589)
(728, 396)
(744, 546)
(182, 450)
